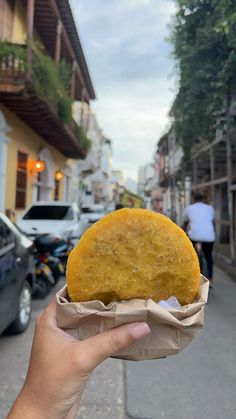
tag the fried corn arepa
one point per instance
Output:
(133, 253)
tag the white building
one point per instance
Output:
(146, 183)
(117, 186)
(90, 177)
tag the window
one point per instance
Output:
(6, 235)
(21, 179)
(49, 212)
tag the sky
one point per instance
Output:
(129, 58)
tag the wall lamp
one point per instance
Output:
(37, 166)
(58, 175)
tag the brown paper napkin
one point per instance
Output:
(171, 328)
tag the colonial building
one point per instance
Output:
(214, 175)
(117, 187)
(175, 185)
(42, 72)
(211, 170)
(92, 179)
(148, 187)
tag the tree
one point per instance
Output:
(204, 45)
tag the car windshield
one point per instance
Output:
(97, 210)
(49, 212)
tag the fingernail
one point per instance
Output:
(139, 330)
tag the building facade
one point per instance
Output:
(211, 171)
(148, 188)
(42, 72)
(89, 169)
(117, 187)
(214, 175)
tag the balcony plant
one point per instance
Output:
(50, 81)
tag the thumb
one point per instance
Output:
(108, 343)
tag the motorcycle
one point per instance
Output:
(52, 251)
(50, 254)
(44, 280)
(62, 251)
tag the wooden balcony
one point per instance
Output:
(18, 93)
(54, 22)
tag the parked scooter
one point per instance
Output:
(44, 280)
(51, 251)
(62, 251)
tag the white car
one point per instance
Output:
(54, 217)
(93, 214)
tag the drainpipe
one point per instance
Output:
(3, 160)
(30, 33)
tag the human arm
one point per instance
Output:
(60, 366)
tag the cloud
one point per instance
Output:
(124, 42)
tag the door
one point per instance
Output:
(21, 180)
(8, 275)
(6, 19)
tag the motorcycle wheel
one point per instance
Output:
(57, 272)
(42, 287)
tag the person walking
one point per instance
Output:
(200, 226)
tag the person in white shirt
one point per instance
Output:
(200, 227)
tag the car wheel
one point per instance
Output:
(23, 317)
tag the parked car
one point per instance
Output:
(53, 217)
(16, 278)
(92, 214)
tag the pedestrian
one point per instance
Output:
(60, 366)
(200, 226)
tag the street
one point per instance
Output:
(198, 383)
(95, 134)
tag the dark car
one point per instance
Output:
(16, 278)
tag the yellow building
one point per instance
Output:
(42, 72)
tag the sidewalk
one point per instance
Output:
(199, 382)
(104, 395)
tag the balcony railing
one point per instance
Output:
(12, 62)
(45, 92)
(12, 67)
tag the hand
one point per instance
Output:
(60, 366)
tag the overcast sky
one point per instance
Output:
(130, 63)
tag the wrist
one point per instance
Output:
(28, 407)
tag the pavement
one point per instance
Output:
(198, 383)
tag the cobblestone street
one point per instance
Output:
(200, 382)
